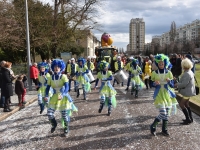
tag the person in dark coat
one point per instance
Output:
(6, 86)
(173, 62)
(19, 89)
(2, 100)
(178, 68)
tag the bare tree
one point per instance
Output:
(69, 15)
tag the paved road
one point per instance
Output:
(126, 128)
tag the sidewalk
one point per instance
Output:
(30, 97)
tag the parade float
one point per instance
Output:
(106, 51)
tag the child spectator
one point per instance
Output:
(19, 90)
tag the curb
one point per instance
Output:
(194, 107)
(17, 108)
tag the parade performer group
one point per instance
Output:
(164, 97)
(54, 89)
(60, 100)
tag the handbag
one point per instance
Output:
(196, 86)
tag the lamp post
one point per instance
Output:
(28, 47)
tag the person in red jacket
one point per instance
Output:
(34, 74)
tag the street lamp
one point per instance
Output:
(28, 47)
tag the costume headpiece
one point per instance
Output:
(81, 60)
(58, 62)
(43, 64)
(134, 62)
(162, 57)
(103, 64)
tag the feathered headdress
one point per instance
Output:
(81, 60)
(162, 57)
(58, 62)
(43, 64)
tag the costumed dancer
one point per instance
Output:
(82, 78)
(107, 92)
(60, 100)
(118, 66)
(43, 77)
(71, 72)
(128, 67)
(164, 97)
(135, 77)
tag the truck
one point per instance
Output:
(106, 51)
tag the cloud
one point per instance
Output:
(115, 16)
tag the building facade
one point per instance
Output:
(89, 42)
(187, 32)
(137, 35)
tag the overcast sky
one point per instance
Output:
(157, 14)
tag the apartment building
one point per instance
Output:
(187, 32)
(137, 35)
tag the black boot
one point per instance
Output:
(132, 90)
(136, 94)
(84, 95)
(54, 124)
(190, 113)
(101, 107)
(164, 128)
(66, 128)
(41, 108)
(122, 83)
(146, 83)
(187, 120)
(109, 111)
(153, 126)
(126, 88)
(78, 93)
(109, 106)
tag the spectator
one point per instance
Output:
(6, 86)
(186, 88)
(147, 74)
(34, 74)
(19, 90)
(173, 62)
(49, 67)
(44, 60)
(189, 56)
(154, 67)
(2, 100)
(178, 69)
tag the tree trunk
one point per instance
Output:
(56, 4)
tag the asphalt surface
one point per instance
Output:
(126, 128)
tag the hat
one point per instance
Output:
(118, 56)
(188, 56)
(131, 58)
(72, 59)
(88, 57)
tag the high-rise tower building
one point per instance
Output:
(137, 35)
